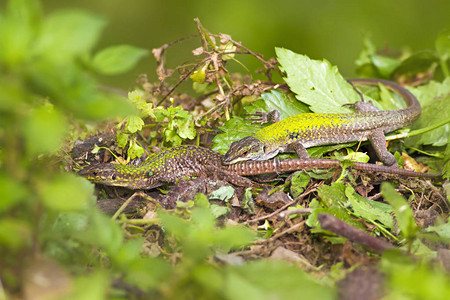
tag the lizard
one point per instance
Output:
(175, 163)
(296, 133)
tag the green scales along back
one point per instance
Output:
(159, 168)
(314, 129)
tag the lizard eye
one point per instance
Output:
(94, 173)
(113, 177)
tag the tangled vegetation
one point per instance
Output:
(205, 238)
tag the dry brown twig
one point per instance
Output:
(213, 64)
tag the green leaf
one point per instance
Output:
(103, 232)
(174, 224)
(446, 169)
(434, 97)
(228, 47)
(118, 59)
(219, 211)
(334, 200)
(385, 65)
(224, 193)
(198, 76)
(233, 237)
(267, 279)
(12, 192)
(316, 83)
(14, 233)
(299, 181)
(247, 202)
(102, 106)
(333, 195)
(92, 285)
(442, 230)
(186, 127)
(18, 28)
(443, 45)
(138, 99)
(355, 156)
(122, 139)
(317, 152)
(147, 272)
(44, 130)
(403, 212)
(418, 62)
(134, 124)
(67, 192)
(285, 104)
(234, 129)
(135, 150)
(68, 33)
(410, 280)
(368, 209)
(200, 200)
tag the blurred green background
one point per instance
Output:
(331, 29)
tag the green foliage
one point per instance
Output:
(197, 277)
(373, 64)
(343, 201)
(299, 182)
(316, 83)
(434, 97)
(180, 124)
(66, 192)
(45, 87)
(117, 59)
(443, 50)
(44, 118)
(368, 209)
(174, 123)
(411, 280)
(273, 280)
(402, 211)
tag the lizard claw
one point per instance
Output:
(259, 117)
(263, 117)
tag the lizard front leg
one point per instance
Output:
(263, 117)
(298, 148)
(378, 141)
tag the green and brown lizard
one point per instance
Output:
(179, 162)
(314, 129)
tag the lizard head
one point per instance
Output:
(112, 174)
(249, 148)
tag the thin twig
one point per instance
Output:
(126, 203)
(333, 224)
(297, 211)
(280, 209)
(276, 236)
(185, 76)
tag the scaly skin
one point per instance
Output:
(184, 161)
(313, 129)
